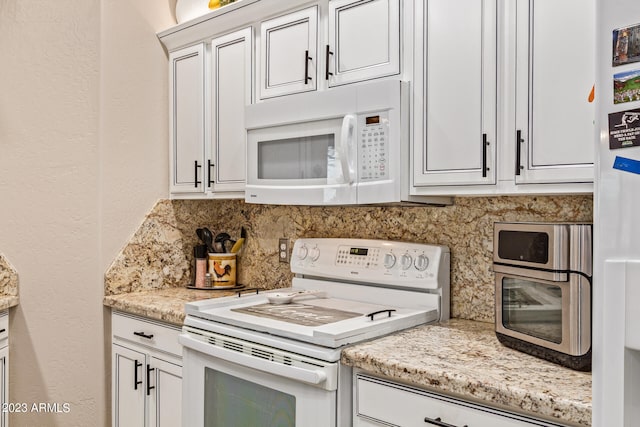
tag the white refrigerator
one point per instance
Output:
(616, 287)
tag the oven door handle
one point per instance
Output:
(309, 376)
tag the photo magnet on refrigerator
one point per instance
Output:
(624, 129)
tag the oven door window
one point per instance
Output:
(532, 308)
(243, 403)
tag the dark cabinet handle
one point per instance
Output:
(389, 311)
(326, 66)
(143, 335)
(135, 375)
(438, 422)
(149, 386)
(209, 166)
(485, 144)
(3, 330)
(519, 142)
(307, 58)
(195, 173)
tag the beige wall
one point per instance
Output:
(83, 155)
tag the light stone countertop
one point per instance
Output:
(464, 358)
(166, 305)
(8, 284)
(8, 301)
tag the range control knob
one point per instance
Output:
(389, 260)
(422, 262)
(314, 253)
(302, 252)
(406, 261)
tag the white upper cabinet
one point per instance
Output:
(455, 93)
(500, 90)
(210, 84)
(186, 122)
(364, 40)
(288, 54)
(231, 65)
(502, 97)
(555, 74)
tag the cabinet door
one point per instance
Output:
(128, 388)
(186, 100)
(288, 56)
(4, 384)
(455, 93)
(555, 74)
(364, 40)
(231, 92)
(165, 398)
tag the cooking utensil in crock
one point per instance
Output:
(207, 238)
(220, 242)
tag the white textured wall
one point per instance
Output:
(83, 156)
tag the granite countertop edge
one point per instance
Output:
(8, 301)
(166, 305)
(437, 357)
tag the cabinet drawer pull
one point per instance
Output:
(519, 142)
(209, 166)
(149, 386)
(438, 422)
(135, 375)
(307, 58)
(326, 66)
(143, 335)
(3, 330)
(195, 174)
(485, 143)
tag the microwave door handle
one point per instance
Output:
(346, 139)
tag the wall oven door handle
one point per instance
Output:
(310, 376)
(347, 138)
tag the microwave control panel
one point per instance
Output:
(373, 146)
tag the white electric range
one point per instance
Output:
(272, 358)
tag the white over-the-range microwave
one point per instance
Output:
(343, 146)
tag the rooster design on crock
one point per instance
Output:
(220, 271)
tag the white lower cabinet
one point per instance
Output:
(379, 402)
(146, 373)
(4, 367)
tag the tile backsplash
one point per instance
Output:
(160, 252)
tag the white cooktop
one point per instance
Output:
(405, 284)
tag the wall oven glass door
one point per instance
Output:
(218, 392)
(303, 163)
(551, 314)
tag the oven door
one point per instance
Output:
(309, 163)
(235, 383)
(550, 314)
